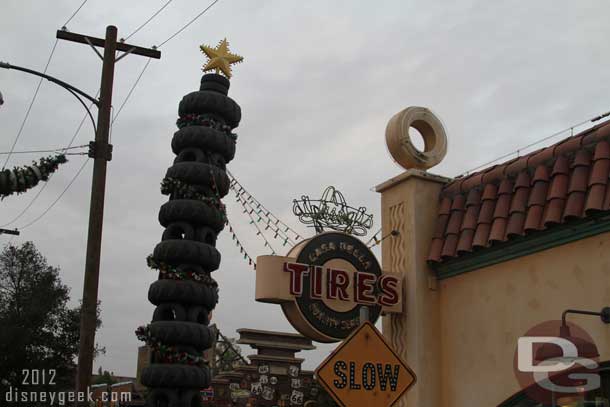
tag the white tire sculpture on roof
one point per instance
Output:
(401, 146)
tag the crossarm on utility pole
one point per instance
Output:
(99, 42)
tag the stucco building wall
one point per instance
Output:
(484, 312)
(459, 334)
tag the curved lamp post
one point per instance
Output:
(77, 93)
(585, 349)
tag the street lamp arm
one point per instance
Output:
(604, 314)
(59, 82)
(86, 108)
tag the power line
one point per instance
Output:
(187, 24)
(131, 90)
(42, 188)
(59, 197)
(29, 109)
(75, 13)
(55, 150)
(147, 21)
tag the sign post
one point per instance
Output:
(365, 371)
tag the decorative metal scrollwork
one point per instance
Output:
(332, 212)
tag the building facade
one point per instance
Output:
(496, 256)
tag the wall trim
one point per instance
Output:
(520, 246)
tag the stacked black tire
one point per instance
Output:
(183, 305)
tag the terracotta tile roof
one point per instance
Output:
(550, 186)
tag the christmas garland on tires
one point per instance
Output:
(20, 179)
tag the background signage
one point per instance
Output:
(324, 281)
(365, 371)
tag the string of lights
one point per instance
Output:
(244, 194)
(242, 249)
(278, 233)
(259, 232)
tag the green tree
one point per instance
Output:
(104, 377)
(39, 331)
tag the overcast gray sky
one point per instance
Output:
(319, 82)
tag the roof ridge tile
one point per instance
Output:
(549, 186)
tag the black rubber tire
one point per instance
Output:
(190, 154)
(205, 138)
(175, 230)
(192, 172)
(206, 235)
(176, 252)
(192, 211)
(198, 315)
(182, 333)
(217, 79)
(161, 394)
(5, 186)
(175, 375)
(210, 102)
(214, 87)
(175, 309)
(187, 292)
(191, 398)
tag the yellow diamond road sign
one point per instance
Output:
(365, 371)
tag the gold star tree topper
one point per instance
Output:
(219, 58)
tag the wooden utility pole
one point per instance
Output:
(101, 151)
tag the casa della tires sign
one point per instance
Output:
(324, 281)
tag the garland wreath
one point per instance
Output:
(20, 179)
(206, 120)
(165, 353)
(181, 190)
(172, 273)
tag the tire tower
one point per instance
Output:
(185, 293)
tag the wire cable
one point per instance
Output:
(29, 109)
(43, 187)
(519, 150)
(74, 14)
(55, 150)
(187, 24)
(131, 91)
(147, 21)
(59, 197)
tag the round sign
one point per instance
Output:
(342, 266)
